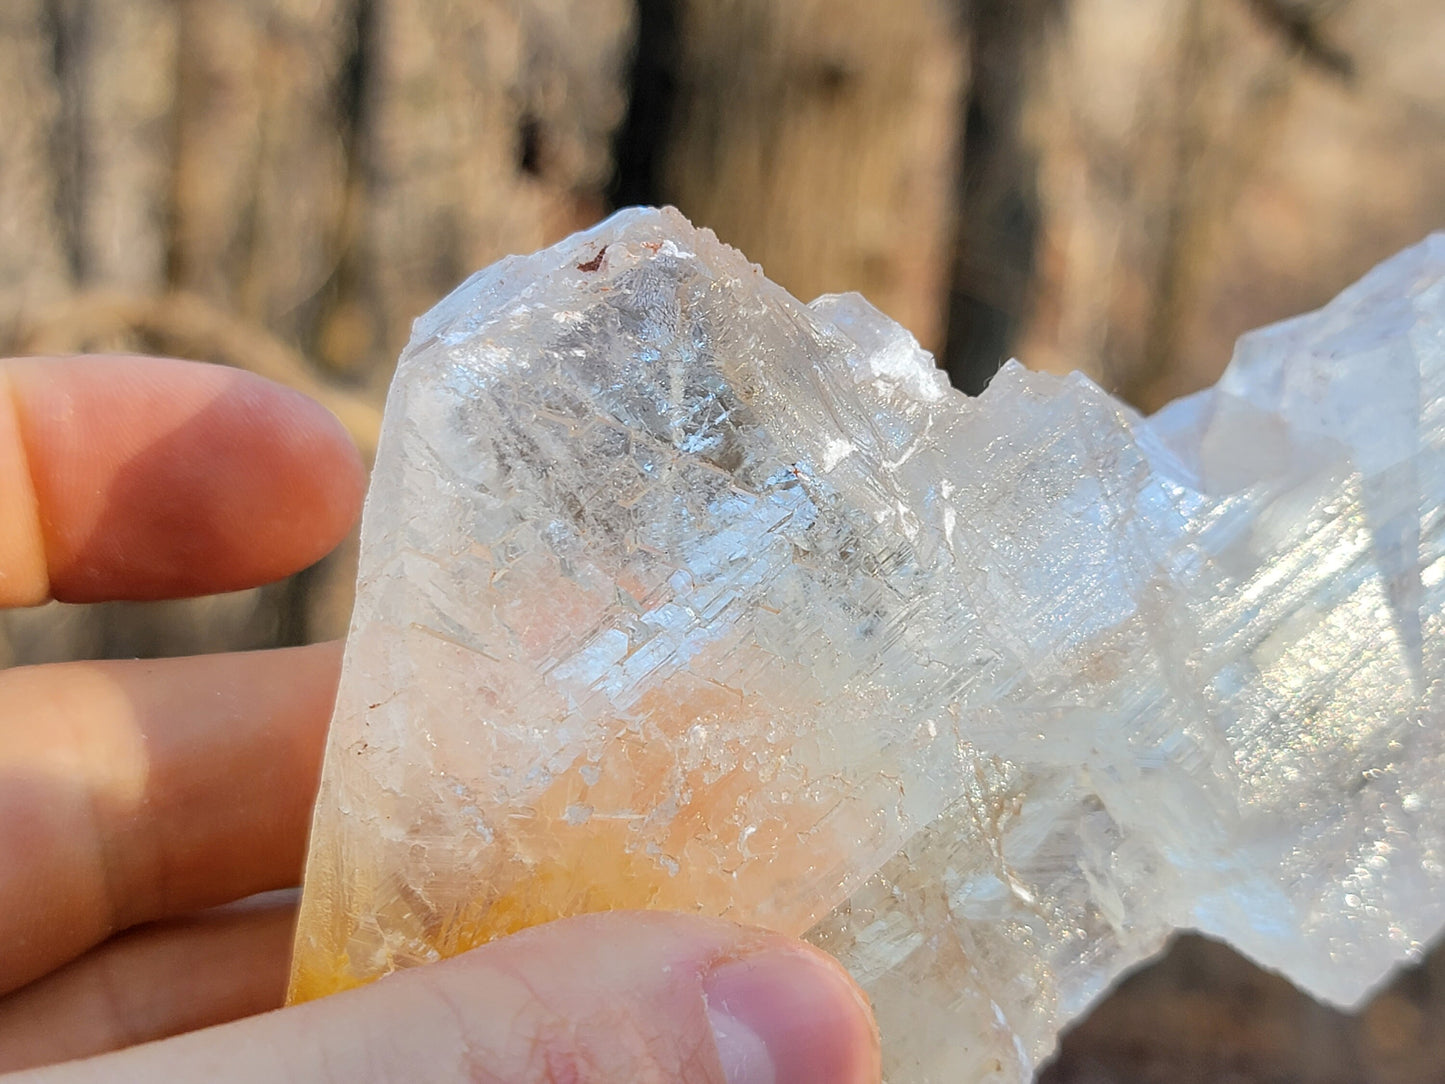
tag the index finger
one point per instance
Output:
(146, 478)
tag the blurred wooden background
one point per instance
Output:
(1118, 186)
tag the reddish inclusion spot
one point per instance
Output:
(594, 263)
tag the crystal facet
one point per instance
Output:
(678, 593)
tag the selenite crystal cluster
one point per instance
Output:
(678, 593)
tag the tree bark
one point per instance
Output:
(821, 138)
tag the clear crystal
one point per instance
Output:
(676, 592)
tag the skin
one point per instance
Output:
(145, 804)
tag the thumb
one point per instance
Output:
(621, 997)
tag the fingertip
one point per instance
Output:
(158, 478)
(305, 486)
(650, 993)
(789, 1012)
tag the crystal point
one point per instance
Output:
(678, 593)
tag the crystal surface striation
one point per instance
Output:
(678, 593)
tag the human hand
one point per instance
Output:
(135, 796)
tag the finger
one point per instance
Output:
(143, 478)
(132, 791)
(150, 983)
(606, 998)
